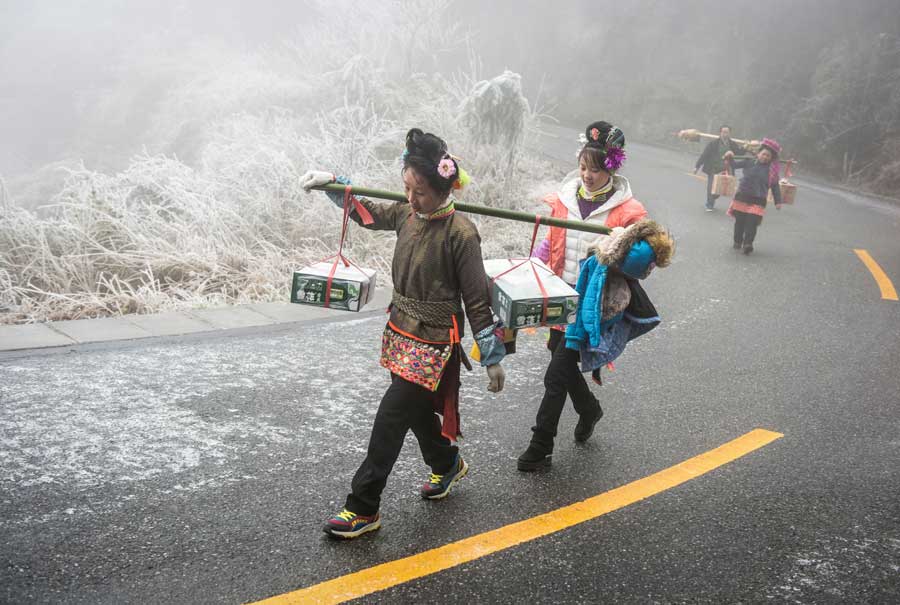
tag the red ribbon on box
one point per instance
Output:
(367, 219)
(544, 296)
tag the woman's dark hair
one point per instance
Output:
(593, 157)
(424, 151)
(600, 135)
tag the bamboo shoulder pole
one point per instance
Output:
(513, 215)
(694, 135)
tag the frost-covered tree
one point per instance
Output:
(494, 112)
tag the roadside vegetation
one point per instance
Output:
(209, 212)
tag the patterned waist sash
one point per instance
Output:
(437, 313)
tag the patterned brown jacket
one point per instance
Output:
(437, 261)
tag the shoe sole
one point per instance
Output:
(349, 535)
(462, 473)
(528, 467)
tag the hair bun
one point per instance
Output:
(596, 133)
(425, 144)
(427, 154)
(412, 139)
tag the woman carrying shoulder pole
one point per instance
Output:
(749, 204)
(437, 266)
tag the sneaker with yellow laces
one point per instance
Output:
(439, 486)
(347, 524)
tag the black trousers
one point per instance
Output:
(745, 226)
(405, 406)
(563, 377)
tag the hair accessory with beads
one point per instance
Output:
(615, 138)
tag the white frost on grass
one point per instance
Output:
(210, 211)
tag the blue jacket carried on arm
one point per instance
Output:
(613, 308)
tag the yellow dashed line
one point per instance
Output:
(393, 573)
(884, 283)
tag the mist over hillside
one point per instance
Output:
(150, 152)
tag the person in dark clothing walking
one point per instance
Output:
(437, 266)
(712, 161)
(749, 203)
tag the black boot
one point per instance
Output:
(585, 427)
(748, 248)
(535, 458)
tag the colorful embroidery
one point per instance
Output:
(593, 195)
(442, 212)
(418, 362)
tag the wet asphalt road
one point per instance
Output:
(200, 469)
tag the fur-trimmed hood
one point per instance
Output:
(613, 249)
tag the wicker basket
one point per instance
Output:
(788, 193)
(724, 184)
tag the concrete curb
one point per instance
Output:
(69, 333)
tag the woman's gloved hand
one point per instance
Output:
(314, 178)
(498, 378)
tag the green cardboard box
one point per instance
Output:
(516, 296)
(351, 287)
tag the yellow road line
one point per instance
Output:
(386, 575)
(884, 283)
(696, 176)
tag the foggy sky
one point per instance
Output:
(59, 59)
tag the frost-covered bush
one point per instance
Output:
(210, 212)
(495, 112)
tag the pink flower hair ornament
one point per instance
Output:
(446, 168)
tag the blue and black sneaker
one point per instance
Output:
(347, 524)
(439, 486)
